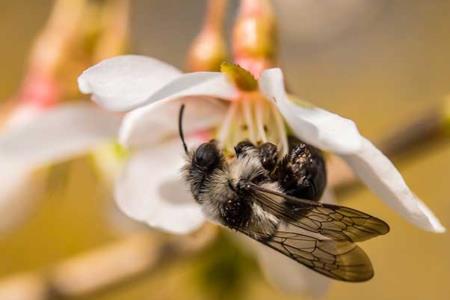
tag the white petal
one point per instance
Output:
(318, 127)
(123, 82)
(378, 172)
(19, 187)
(151, 190)
(290, 276)
(21, 115)
(57, 134)
(158, 121)
(211, 84)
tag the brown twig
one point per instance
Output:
(107, 266)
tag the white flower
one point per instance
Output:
(33, 138)
(150, 188)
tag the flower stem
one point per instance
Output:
(254, 36)
(208, 50)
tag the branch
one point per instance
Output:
(105, 267)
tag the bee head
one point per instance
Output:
(202, 163)
(206, 157)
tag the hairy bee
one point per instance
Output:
(275, 200)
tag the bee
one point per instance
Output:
(275, 201)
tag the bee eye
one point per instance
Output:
(207, 156)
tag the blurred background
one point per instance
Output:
(381, 63)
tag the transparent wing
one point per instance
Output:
(340, 260)
(336, 222)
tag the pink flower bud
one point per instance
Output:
(254, 35)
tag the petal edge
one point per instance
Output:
(313, 125)
(124, 82)
(383, 178)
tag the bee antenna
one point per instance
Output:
(180, 127)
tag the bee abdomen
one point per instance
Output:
(235, 213)
(302, 172)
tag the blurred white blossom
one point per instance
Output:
(48, 136)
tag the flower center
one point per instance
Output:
(252, 117)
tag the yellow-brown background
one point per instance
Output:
(389, 63)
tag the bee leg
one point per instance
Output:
(302, 172)
(268, 155)
(242, 148)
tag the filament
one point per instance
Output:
(247, 118)
(224, 131)
(260, 119)
(247, 113)
(281, 130)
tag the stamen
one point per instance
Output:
(237, 133)
(252, 118)
(224, 131)
(281, 130)
(247, 112)
(260, 112)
